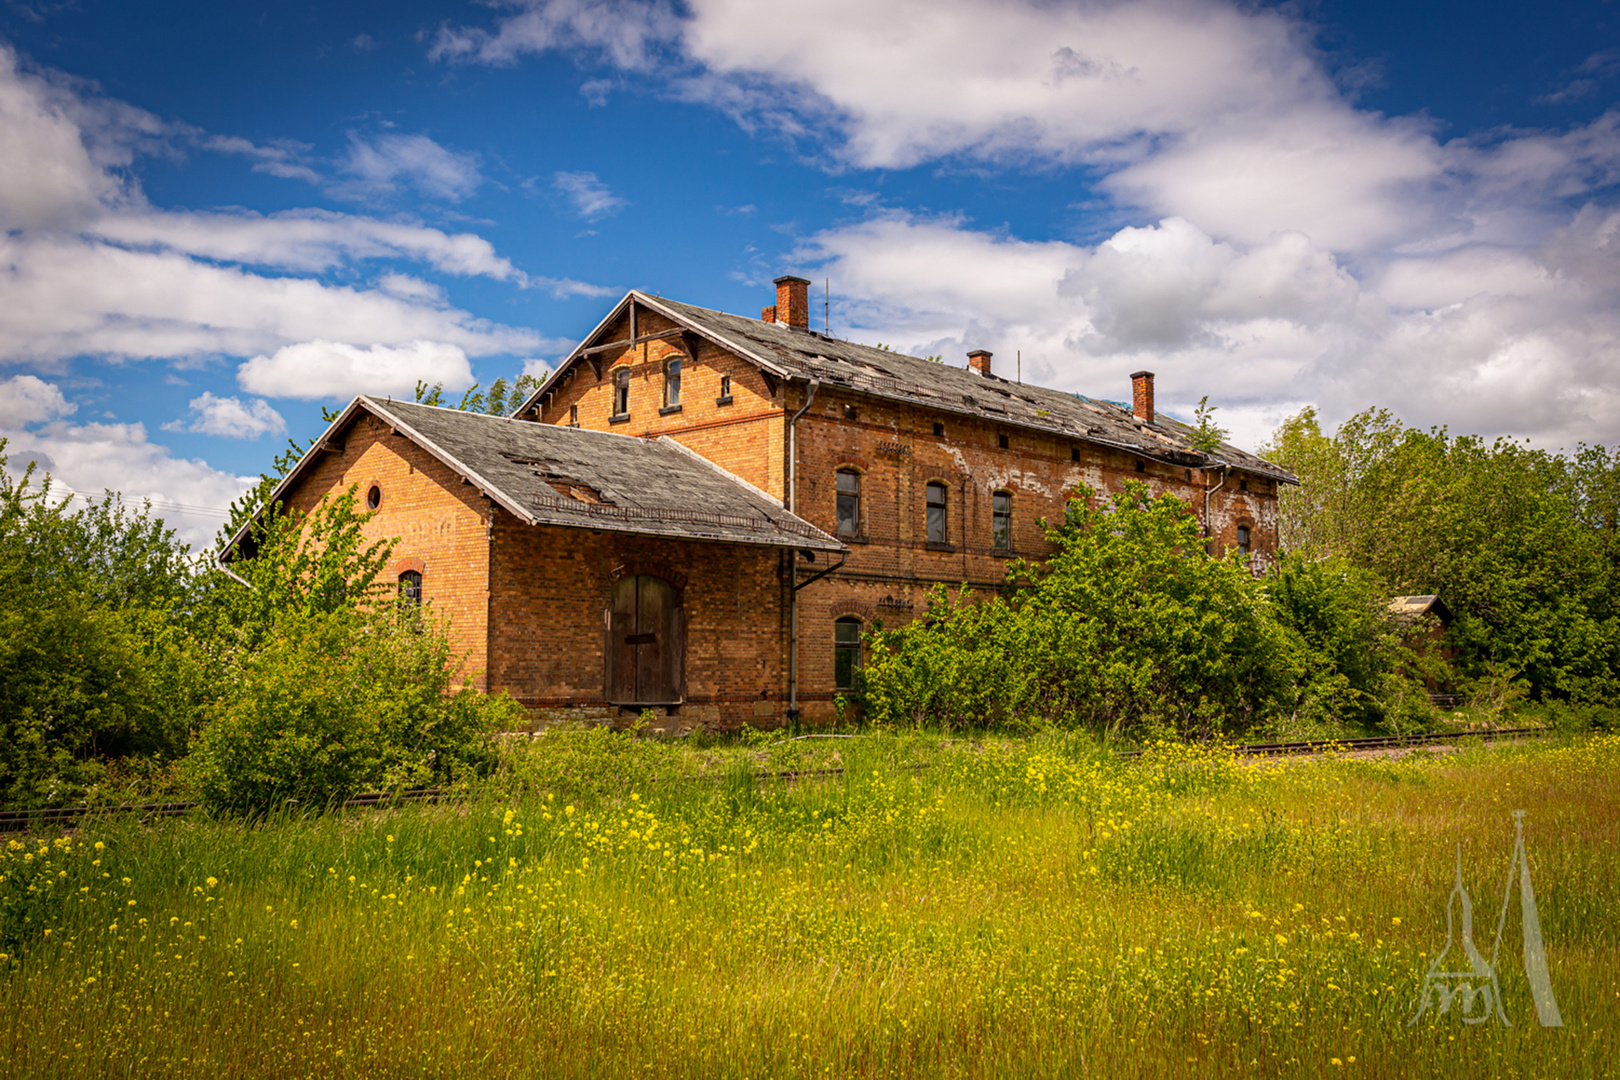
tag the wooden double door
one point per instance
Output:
(646, 643)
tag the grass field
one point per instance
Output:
(1011, 908)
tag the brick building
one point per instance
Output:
(768, 492)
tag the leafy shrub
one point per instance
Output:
(336, 702)
(1131, 627)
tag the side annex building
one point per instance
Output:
(699, 513)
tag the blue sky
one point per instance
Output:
(221, 217)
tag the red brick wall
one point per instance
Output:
(742, 435)
(439, 523)
(550, 586)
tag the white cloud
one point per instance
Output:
(191, 495)
(26, 399)
(88, 268)
(382, 165)
(333, 369)
(231, 418)
(626, 31)
(589, 197)
(285, 158)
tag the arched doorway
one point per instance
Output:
(645, 651)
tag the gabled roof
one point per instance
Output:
(804, 354)
(546, 474)
(1412, 607)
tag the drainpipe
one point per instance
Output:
(1226, 471)
(793, 562)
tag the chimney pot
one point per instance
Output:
(793, 301)
(1142, 395)
(979, 361)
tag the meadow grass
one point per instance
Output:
(1015, 908)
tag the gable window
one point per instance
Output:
(1001, 520)
(672, 384)
(645, 653)
(1243, 539)
(373, 497)
(725, 391)
(573, 416)
(849, 502)
(936, 505)
(621, 392)
(410, 588)
(846, 652)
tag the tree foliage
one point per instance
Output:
(1519, 543)
(1130, 627)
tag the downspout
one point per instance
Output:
(1226, 471)
(793, 562)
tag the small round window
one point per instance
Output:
(373, 497)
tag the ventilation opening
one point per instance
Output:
(939, 430)
(1001, 440)
(1141, 466)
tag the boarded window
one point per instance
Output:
(672, 384)
(410, 588)
(936, 505)
(1001, 520)
(849, 502)
(646, 644)
(621, 392)
(846, 651)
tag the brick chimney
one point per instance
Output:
(767, 314)
(979, 361)
(1142, 395)
(792, 302)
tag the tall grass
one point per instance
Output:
(1017, 908)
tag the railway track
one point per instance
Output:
(14, 820)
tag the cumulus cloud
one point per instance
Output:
(231, 418)
(27, 399)
(587, 196)
(89, 268)
(1489, 337)
(381, 166)
(1285, 247)
(333, 369)
(188, 493)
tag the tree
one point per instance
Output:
(1130, 627)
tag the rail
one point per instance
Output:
(13, 820)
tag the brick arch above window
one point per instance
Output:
(399, 566)
(852, 461)
(858, 608)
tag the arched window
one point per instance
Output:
(1001, 520)
(410, 589)
(1243, 539)
(645, 654)
(849, 502)
(846, 651)
(621, 392)
(936, 505)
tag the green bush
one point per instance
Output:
(1129, 628)
(333, 703)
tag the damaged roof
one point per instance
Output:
(1412, 607)
(546, 474)
(804, 354)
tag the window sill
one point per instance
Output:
(724, 399)
(938, 545)
(1003, 553)
(851, 538)
(619, 419)
(668, 410)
